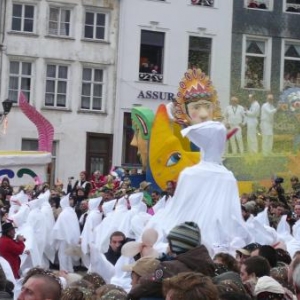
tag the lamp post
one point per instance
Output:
(7, 105)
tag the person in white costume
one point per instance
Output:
(66, 234)
(206, 193)
(235, 118)
(93, 219)
(268, 111)
(252, 115)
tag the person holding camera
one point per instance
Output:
(11, 248)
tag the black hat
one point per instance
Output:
(249, 248)
(7, 227)
(279, 180)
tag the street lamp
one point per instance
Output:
(6, 104)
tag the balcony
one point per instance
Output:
(292, 6)
(259, 4)
(151, 77)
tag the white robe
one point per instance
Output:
(66, 234)
(206, 193)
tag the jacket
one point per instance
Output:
(10, 250)
(194, 260)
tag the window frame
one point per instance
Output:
(104, 81)
(283, 58)
(20, 76)
(267, 62)
(96, 11)
(211, 50)
(58, 35)
(270, 5)
(56, 79)
(23, 17)
(153, 77)
(285, 7)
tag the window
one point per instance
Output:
(59, 21)
(291, 64)
(256, 64)
(56, 85)
(19, 79)
(200, 53)
(151, 56)
(259, 4)
(292, 6)
(203, 2)
(22, 17)
(95, 24)
(92, 89)
(33, 145)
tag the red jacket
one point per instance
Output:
(10, 250)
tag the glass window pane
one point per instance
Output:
(49, 101)
(86, 89)
(14, 67)
(50, 86)
(29, 11)
(65, 16)
(13, 83)
(64, 29)
(98, 75)
(88, 32)
(61, 100)
(97, 90)
(17, 10)
(51, 71)
(26, 68)
(53, 28)
(87, 74)
(16, 24)
(255, 47)
(100, 31)
(25, 84)
(62, 87)
(28, 25)
(97, 103)
(27, 95)
(101, 19)
(63, 72)
(89, 18)
(54, 13)
(85, 102)
(254, 75)
(13, 95)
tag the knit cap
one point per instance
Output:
(184, 237)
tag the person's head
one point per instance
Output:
(280, 274)
(190, 285)
(107, 288)
(143, 267)
(251, 98)
(245, 252)
(84, 206)
(116, 240)
(82, 175)
(268, 288)
(270, 98)
(226, 260)
(155, 195)
(234, 101)
(40, 285)
(245, 212)
(184, 237)
(170, 187)
(269, 253)
(5, 182)
(296, 279)
(297, 210)
(97, 174)
(294, 180)
(8, 230)
(254, 267)
(77, 293)
(95, 279)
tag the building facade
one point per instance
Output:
(159, 40)
(265, 47)
(62, 55)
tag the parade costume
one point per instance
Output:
(207, 193)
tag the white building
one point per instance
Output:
(168, 36)
(62, 54)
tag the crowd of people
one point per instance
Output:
(122, 266)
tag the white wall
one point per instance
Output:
(179, 20)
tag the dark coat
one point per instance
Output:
(195, 260)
